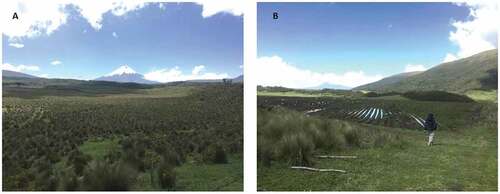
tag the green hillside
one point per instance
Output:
(479, 71)
(388, 81)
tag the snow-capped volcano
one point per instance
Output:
(125, 73)
(124, 69)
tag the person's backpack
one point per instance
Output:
(430, 125)
(434, 126)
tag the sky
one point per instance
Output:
(345, 45)
(163, 41)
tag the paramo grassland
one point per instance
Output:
(383, 132)
(78, 135)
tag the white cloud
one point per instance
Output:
(175, 74)
(449, 57)
(93, 11)
(44, 17)
(241, 66)
(19, 68)
(274, 71)
(477, 34)
(35, 17)
(114, 34)
(211, 8)
(197, 69)
(412, 68)
(161, 6)
(56, 62)
(16, 45)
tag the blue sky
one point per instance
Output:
(168, 39)
(335, 42)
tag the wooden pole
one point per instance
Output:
(317, 169)
(337, 157)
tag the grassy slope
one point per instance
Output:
(388, 80)
(481, 95)
(476, 72)
(466, 161)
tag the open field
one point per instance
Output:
(481, 95)
(295, 94)
(109, 136)
(390, 148)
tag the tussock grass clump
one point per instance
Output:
(166, 174)
(216, 154)
(102, 176)
(352, 137)
(68, 180)
(296, 149)
(293, 137)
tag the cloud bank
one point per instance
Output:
(477, 34)
(274, 71)
(19, 68)
(16, 45)
(38, 18)
(211, 7)
(175, 74)
(56, 62)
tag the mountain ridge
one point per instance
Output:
(479, 71)
(8, 73)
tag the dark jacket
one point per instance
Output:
(430, 123)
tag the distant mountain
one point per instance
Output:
(329, 86)
(479, 71)
(125, 74)
(387, 81)
(7, 73)
(238, 79)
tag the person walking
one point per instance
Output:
(430, 126)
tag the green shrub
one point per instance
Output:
(46, 181)
(436, 96)
(113, 156)
(352, 137)
(216, 154)
(171, 156)
(166, 174)
(292, 137)
(264, 151)
(333, 135)
(102, 176)
(151, 159)
(296, 149)
(371, 94)
(78, 160)
(374, 94)
(68, 180)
